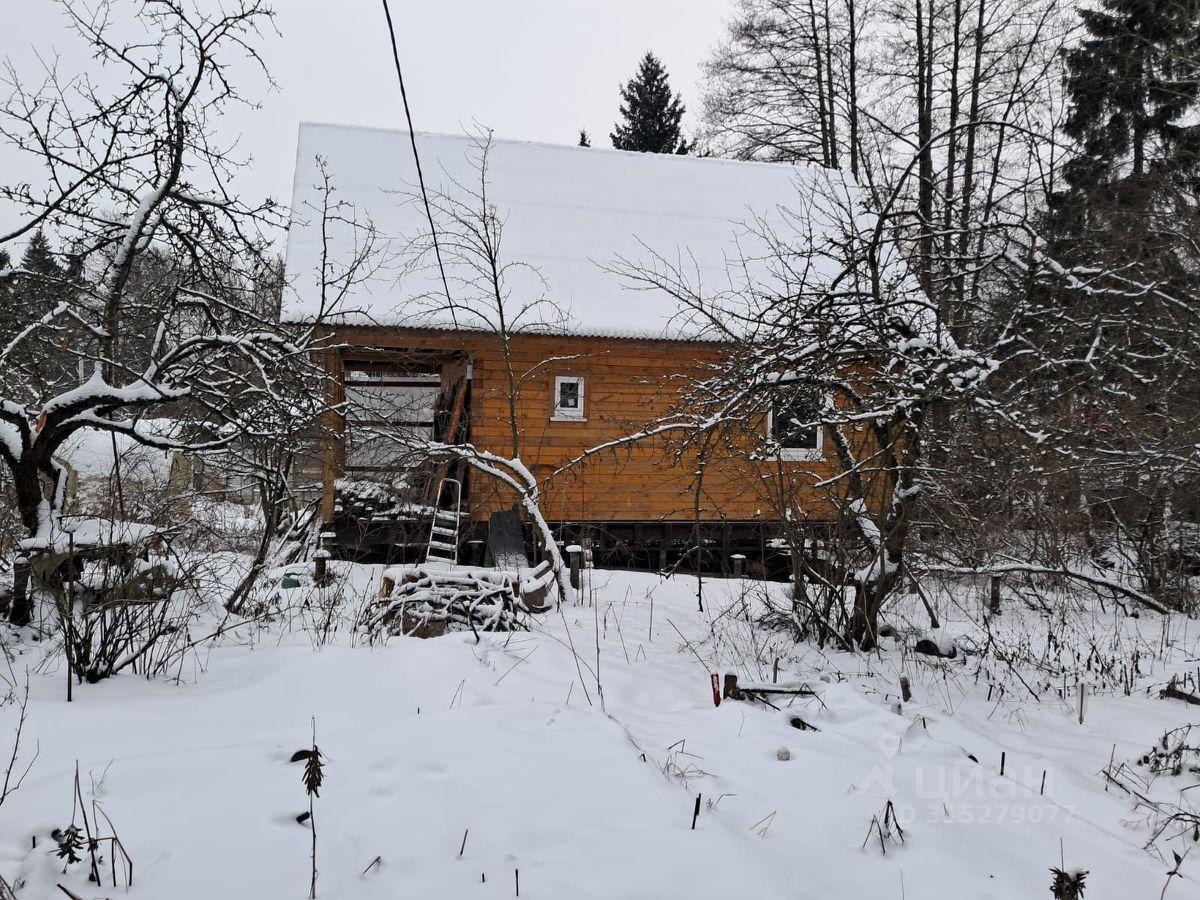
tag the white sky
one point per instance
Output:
(529, 69)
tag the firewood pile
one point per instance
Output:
(428, 602)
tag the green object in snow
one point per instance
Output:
(289, 581)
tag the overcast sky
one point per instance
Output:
(529, 69)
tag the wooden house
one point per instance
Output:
(592, 359)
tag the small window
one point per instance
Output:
(568, 399)
(791, 429)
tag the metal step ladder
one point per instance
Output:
(442, 552)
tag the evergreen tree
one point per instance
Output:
(1132, 83)
(585, 140)
(40, 280)
(650, 112)
(8, 318)
(1126, 222)
(37, 284)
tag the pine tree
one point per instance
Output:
(650, 112)
(1132, 84)
(585, 139)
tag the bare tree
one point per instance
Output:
(505, 298)
(480, 276)
(131, 174)
(291, 434)
(834, 333)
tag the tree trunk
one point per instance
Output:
(925, 159)
(951, 157)
(821, 90)
(968, 176)
(832, 92)
(852, 100)
(31, 505)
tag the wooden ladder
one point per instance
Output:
(442, 551)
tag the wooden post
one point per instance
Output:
(994, 600)
(739, 565)
(321, 558)
(68, 619)
(575, 552)
(730, 688)
(905, 688)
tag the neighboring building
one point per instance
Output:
(614, 360)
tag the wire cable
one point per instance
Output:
(412, 136)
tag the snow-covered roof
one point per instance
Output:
(567, 212)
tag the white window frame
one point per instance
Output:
(798, 454)
(569, 415)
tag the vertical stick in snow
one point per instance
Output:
(596, 621)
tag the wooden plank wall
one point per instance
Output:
(627, 384)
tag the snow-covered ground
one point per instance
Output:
(574, 755)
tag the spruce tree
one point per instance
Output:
(585, 139)
(40, 283)
(650, 112)
(1133, 84)
(1127, 222)
(5, 289)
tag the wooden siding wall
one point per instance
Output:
(627, 384)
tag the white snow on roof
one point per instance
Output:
(567, 211)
